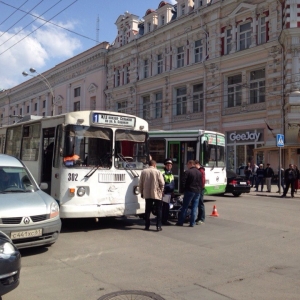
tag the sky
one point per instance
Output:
(40, 34)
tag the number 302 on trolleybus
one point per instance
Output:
(183, 145)
(91, 160)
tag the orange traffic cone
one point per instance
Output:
(214, 212)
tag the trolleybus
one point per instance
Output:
(182, 145)
(91, 160)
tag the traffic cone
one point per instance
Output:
(214, 212)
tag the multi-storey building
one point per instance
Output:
(230, 66)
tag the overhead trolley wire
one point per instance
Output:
(16, 9)
(30, 23)
(52, 23)
(46, 21)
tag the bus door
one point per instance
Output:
(181, 153)
(48, 143)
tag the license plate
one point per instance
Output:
(243, 182)
(26, 234)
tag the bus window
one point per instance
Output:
(87, 146)
(157, 149)
(31, 142)
(130, 146)
(13, 141)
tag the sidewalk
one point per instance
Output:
(274, 189)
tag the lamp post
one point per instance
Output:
(45, 80)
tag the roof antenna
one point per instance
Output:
(97, 31)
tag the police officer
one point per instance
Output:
(168, 190)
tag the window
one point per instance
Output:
(146, 68)
(127, 75)
(182, 7)
(234, 91)
(162, 20)
(262, 30)
(122, 106)
(21, 112)
(245, 36)
(117, 77)
(158, 106)
(77, 106)
(228, 38)
(93, 103)
(200, 3)
(44, 103)
(77, 92)
(181, 102)
(146, 107)
(159, 63)
(180, 57)
(125, 41)
(35, 106)
(44, 114)
(27, 108)
(257, 86)
(31, 142)
(198, 51)
(198, 97)
(149, 26)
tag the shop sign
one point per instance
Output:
(247, 136)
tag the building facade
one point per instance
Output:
(225, 65)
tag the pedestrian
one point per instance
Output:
(192, 186)
(269, 173)
(168, 189)
(151, 186)
(201, 207)
(248, 171)
(281, 174)
(260, 177)
(290, 176)
(254, 177)
(297, 177)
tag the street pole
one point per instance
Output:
(279, 188)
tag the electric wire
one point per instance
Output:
(52, 23)
(22, 18)
(29, 23)
(38, 27)
(16, 9)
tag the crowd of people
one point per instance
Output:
(154, 185)
(287, 179)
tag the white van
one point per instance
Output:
(29, 216)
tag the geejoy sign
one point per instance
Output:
(247, 136)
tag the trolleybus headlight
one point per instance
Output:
(81, 191)
(136, 190)
(54, 210)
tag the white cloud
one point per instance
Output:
(48, 42)
(173, 1)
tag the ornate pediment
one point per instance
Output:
(241, 8)
(92, 88)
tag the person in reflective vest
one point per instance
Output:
(168, 190)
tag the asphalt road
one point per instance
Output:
(251, 251)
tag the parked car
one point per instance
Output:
(237, 184)
(10, 265)
(29, 216)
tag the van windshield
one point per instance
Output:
(16, 180)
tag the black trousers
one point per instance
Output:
(158, 204)
(289, 182)
(165, 212)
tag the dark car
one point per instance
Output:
(10, 265)
(237, 184)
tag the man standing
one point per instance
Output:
(269, 173)
(254, 178)
(201, 208)
(168, 190)
(248, 171)
(192, 185)
(151, 187)
(289, 177)
(260, 173)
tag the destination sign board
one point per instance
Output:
(113, 120)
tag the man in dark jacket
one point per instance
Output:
(290, 176)
(201, 207)
(260, 174)
(192, 185)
